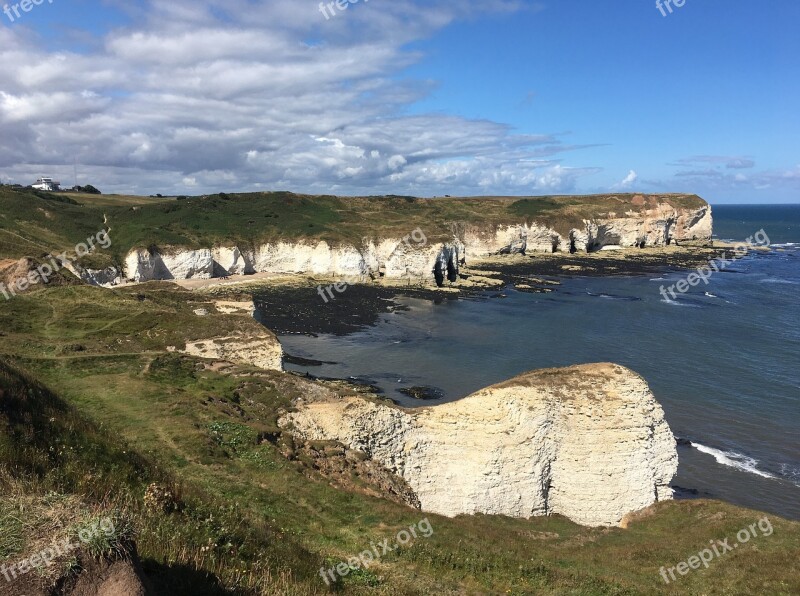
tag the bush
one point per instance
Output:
(88, 189)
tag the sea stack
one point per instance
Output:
(588, 442)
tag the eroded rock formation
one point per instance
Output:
(262, 350)
(589, 442)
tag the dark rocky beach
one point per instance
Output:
(301, 308)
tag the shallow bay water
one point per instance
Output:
(722, 359)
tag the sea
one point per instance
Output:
(721, 359)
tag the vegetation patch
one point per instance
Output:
(248, 220)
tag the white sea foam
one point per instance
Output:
(791, 473)
(733, 460)
(676, 303)
(775, 280)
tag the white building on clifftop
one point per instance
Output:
(47, 184)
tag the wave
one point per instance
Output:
(785, 245)
(791, 473)
(775, 280)
(676, 303)
(615, 297)
(733, 459)
(715, 297)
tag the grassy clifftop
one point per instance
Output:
(31, 223)
(250, 511)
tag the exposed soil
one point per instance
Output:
(349, 470)
(83, 575)
(11, 272)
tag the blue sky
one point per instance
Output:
(445, 97)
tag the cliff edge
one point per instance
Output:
(429, 239)
(588, 442)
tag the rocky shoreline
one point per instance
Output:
(293, 305)
(598, 439)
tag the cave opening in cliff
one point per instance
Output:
(452, 270)
(438, 273)
(572, 248)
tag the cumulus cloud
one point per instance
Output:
(195, 96)
(628, 181)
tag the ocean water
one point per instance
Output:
(722, 359)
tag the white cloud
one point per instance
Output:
(628, 181)
(197, 97)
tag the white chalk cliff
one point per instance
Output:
(262, 350)
(256, 346)
(397, 258)
(107, 277)
(589, 442)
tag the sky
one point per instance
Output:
(458, 97)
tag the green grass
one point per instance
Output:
(34, 226)
(31, 225)
(12, 530)
(112, 200)
(49, 448)
(103, 410)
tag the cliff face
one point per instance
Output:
(262, 351)
(257, 346)
(658, 226)
(146, 265)
(396, 258)
(108, 277)
(588, 442)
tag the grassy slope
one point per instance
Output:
(158, 416)
(29, 223)
(33, 226)
(112, 200)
